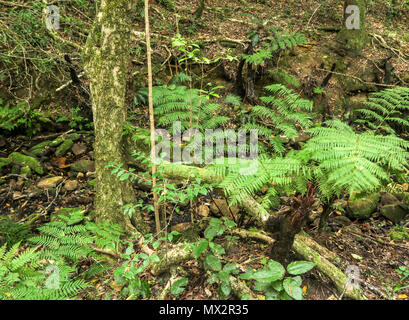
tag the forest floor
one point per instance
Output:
(364, 243)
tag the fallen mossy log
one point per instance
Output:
(313, 252)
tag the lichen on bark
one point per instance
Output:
(106, 60)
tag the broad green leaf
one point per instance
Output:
(224, 276)
(261, 286)
(225, 289)
(213, 263)
(248, 275)
(300, 267)
(292, 287)
(277, 285)
(200, 248)
(269, 275)
(218, 249)
(178, 286)
(230, 267)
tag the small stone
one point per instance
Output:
(79, 148)
(48, 183)
(83, 166)
(180, 227)
(394, 212)
(220, 206)
(388, 198)
(302, 137)
(80, 175)
(90, 174)
(70, 185)
(203, 210)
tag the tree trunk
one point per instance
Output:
(353, 37)
(106, 57)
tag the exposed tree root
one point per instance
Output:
(173, 277)
(174, 256)
(245, 234)
(240, 289)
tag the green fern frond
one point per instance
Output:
(353, 162)
(385, 108)
(284, 114)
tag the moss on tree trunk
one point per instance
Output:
(353, 40)
(106, 57)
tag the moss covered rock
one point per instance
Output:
(31, 162)
(74, 136)
(83, 166)
(4, 162)
(64, 147)
(38, 148)
(282, 77)
(394, 212)
(362, 207)
(25, 171)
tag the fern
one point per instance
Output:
(174, 103)
(12, 232)
(352, 162)
(66, 240)
(385, 109)
(246, 178)
(336, 157)
(233, 100)
(278, 41)
(284, 114)
(61, 245)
